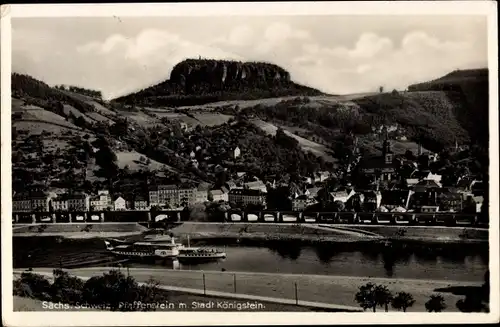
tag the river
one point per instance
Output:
(288, 258)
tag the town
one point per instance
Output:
(387, 183)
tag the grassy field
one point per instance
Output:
(98, 117)
(132, 160)
(37, 127)
(339, 290)
(76, 229)
(306, 145)
(140, 118)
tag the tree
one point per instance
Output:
(435, 304)
(472, 303)
(66, 288)
(366, 297)
(111, 289)
(383, 296)
(402, 301)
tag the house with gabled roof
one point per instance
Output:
(396, 198)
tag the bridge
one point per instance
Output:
(443, 218)
(236, 215)
(95, 216)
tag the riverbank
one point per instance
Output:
(338, 290)
(79, 230)
(309, 233)
(332, 233)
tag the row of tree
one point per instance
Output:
(109, 291)
(371, 296)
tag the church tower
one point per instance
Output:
(387, 152)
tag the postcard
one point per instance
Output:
(250, 163)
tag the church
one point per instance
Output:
(380, 168)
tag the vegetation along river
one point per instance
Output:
(466, 264)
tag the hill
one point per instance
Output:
(131, 143)
(202, 81)
(435, 114)
(469, 88)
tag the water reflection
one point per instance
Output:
(389, 259)
(377, 260)
(326, 253)
(286, 250)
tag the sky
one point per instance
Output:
(335, 54)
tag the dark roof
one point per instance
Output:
(301, 197)
(140, 198)
(375, 163)
(246, 192)
(168, 187)
(395, 197)
(451, 196)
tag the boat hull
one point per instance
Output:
(201, 258)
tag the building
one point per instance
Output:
(395, 199)
(429, 209)
(256, 185)
(372, 200)
(78, 202)
(101, 202)
(312, 192)
(21, 203)
(380, 168)
(236, 152)
(449, 201)
(164, 195)
(230, 185)
(119, 204)
(201, 193)
(140, 203)
(187, 195)
(60, 203)
(242, 197)
(342, 195)
(411, 182)
(300, 203)
(427, 185)
(219, 195)
(39, 201)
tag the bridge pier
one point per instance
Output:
(453, 221)
(102, 217)
(16, 218)
(149, 216)
(54, 218)
(33, 218)
(178, 216)
(393, 219)
(375, 219)
(70, 216)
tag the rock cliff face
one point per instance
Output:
(199, 75)
(195, 81)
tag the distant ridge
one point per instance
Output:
(199, 81)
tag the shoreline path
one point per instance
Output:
(322, 291)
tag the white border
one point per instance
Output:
(486, 8)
